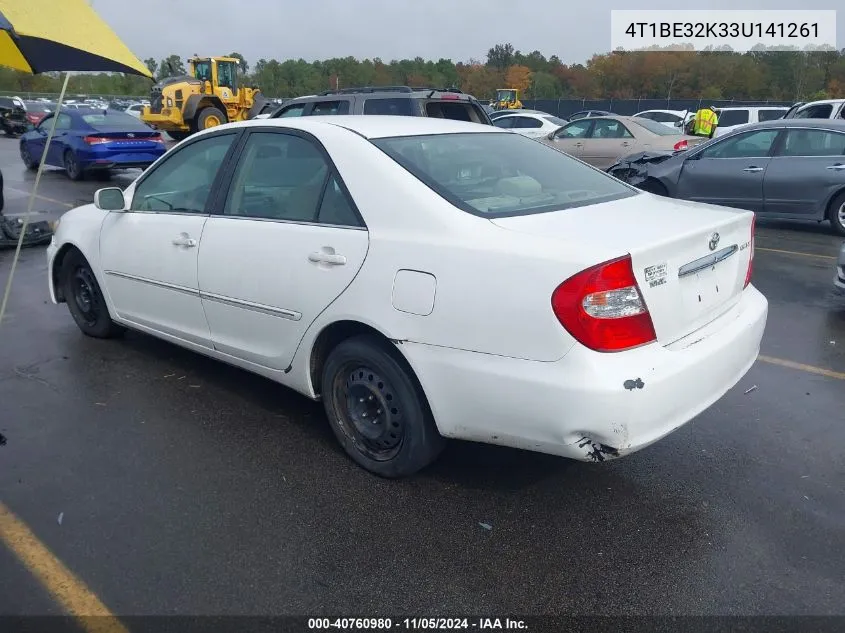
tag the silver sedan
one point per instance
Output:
(786, 168)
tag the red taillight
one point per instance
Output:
(97, 140)
(751, 255)
(602, 307)
(33, 118)
(681, 145)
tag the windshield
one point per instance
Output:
(655, 128)
(202, 71)
(500, 174)
(506, 95)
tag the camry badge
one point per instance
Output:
(714, 241)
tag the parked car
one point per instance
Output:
(37, 110)
(839, 281)
(92, 141)
(601, 141)
(825, 109)
(13, 121)
(732, 118)
(669, 118)
(495, 114)
(584, 114)
(531, 125)
(442, 279)
(389, 100)
(135, 110)
(787, 168)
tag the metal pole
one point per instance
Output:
(32, 200)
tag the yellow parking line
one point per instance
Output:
(40, 197)
(77, 599)
(777, 250)
(812, 369)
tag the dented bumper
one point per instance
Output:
(590, 406)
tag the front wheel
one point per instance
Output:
(377, 409)
(26, 157)
(85, 298)
(836, 214)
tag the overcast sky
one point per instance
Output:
(389, 29)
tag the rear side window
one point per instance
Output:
(733, 117)
(814, 143)
(395, 107)
(326, 108)
(821, 111)
(770, 115)
(527, 122)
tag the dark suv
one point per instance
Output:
(448, 103)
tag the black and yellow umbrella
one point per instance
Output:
(38, 36)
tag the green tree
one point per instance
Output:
(243, 66)
(171, 66)
(152, 65)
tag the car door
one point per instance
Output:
(807, 169)
(58, 144)
(608, 140)
(37, 143)
(730, 171)
(285, 243)
(149, 252)
(570, 138)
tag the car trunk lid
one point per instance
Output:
(690, 260)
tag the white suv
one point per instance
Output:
(825, 109)
(732, 118)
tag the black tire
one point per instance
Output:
(836, 213)
(178, 136)
(85, 299)
(364, 380)
(654, 186)
(26, 156)
(72, 167)
(207, 113)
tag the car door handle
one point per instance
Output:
(327, 258)
(836, 167)
(625, 143)
(184, 240)
(753, 169)
(579, 145)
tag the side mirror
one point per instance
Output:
(110, 199)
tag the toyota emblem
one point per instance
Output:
(714, 241)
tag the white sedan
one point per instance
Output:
(532, 125)
(427, 279)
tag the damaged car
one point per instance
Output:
(38, 232)
(790, 169)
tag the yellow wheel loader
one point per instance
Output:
(208, 96)
(507, 99)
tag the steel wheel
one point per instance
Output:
(86, 296)
(369, 411)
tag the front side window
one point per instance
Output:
(396, 107)
(750, 145)
(770, 114)
(505, 122)
(813, 143)
(278, 177)
(64, 122)
(821, 111)
(728, 118)
(496, 174)
(292, 110)
(182, 182)
(579, 129)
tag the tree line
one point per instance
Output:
(653, 74)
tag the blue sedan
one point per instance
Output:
(92, 141)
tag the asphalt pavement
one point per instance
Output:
(186, 486)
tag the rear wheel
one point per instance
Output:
(836, 214)
(210, 117)
(72, 167)
(377, 409)
(26, 157)
(85, 299)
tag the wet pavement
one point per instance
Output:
(190, 487)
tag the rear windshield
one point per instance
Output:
(654, 127)
(115, 121)
(555, 121)
(455, 110)
(501, 174)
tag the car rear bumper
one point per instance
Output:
(588, 405)
(122, 160)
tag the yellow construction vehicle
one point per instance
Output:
(506, 99)
(208, 96)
